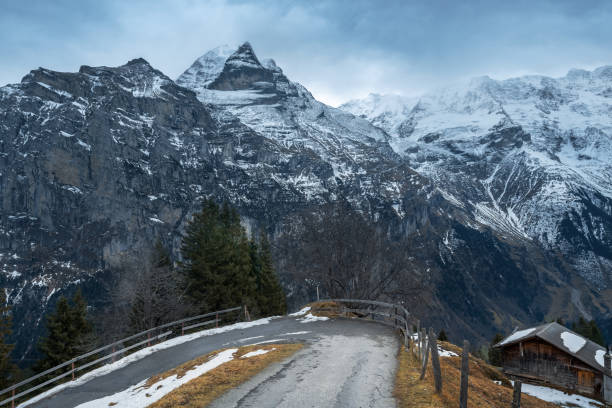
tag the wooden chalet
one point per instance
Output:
(553, 355)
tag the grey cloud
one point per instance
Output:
(338, 49)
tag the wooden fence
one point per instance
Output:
(121, 347)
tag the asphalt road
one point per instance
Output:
(345, 363)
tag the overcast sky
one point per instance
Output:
(337, 49)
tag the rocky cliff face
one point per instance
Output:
(96, 166)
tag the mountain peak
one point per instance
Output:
(244, 57)
(206, 68)
(138, 61)
(604, 72)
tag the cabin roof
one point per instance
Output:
(564, 339)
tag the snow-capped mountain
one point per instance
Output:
(529, 156)
(97, 165)
(268, 102)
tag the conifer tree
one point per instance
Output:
(590, 330)
(271, 295)
(442, 336)
(216, 260)
(68, 332)
(495, 355)
(7, 368)
(257, 276)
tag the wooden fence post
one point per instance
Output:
(395, 317)
(246, 314)
(418, 328)
(72, 371)
(217, 319)
(406, 334)
(424, 364)
(13, 401)
(423, 343)
(435, 361)
(182, 328)
(465, 370)
(114, 354)
(516, 396)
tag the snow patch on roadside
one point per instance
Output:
(301, 312)
(310, 318)
(138, 396)
(140, 355)
(257, 353)
(446, 353)
(559, 397)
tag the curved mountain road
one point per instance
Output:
(345, 363)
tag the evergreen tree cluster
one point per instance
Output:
(495, 354)
(68, 333)
(224, 268)
(590, 330)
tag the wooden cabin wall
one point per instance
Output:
(542, 362)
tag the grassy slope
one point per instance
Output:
(482, 391)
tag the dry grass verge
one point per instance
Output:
(325, 309)
(482, 392)
(329, 309)
(201, 391)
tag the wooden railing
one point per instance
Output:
(390, 314)
(111, 351)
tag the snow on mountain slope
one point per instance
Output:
(263, 98)
(385, 111)
(206, 68)
(530, 154)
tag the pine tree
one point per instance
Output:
(257, 276)
(217, 261)
(442, 336)
(596, 334)
(495, 355)
(590, 330)
(271, 295)
(68, 332)
(7, 368)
